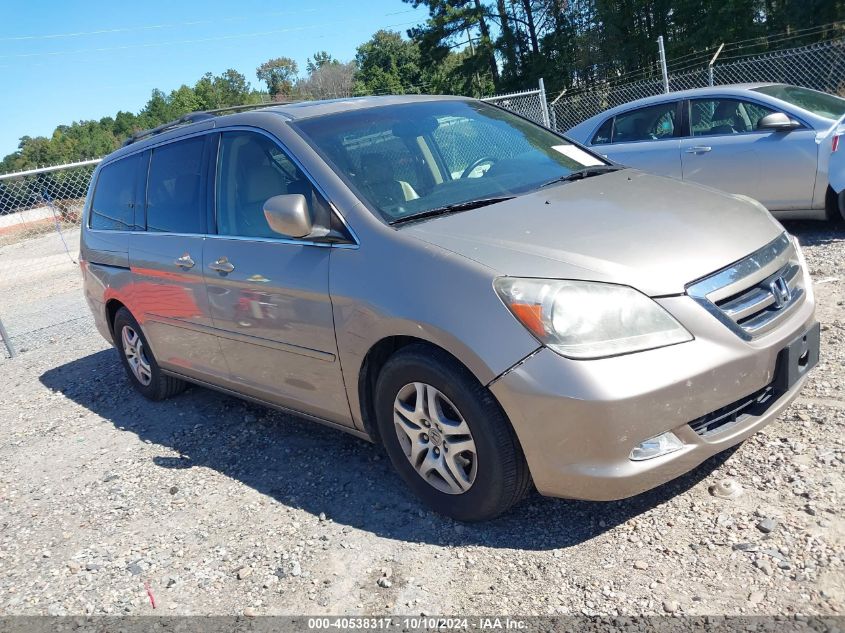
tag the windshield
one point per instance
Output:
(819, 103)
(413, 158)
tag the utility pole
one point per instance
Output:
(665, 70)
(713, 61)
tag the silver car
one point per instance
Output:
(497, 306)
(775, 143)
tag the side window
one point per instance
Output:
(603, 135)
(250, 169)
(714, 117)
(113, 206)
(646, 124)
(755, 112)
(174, 194)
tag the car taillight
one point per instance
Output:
(835, 145)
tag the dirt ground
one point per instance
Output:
(220, 507)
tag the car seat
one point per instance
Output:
(378, 179)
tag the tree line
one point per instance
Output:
(477, 48)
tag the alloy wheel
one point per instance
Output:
(136, 355)
(435, 438)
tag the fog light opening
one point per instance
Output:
(662, 444)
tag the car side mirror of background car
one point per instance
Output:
(288, 215)
(777, 122)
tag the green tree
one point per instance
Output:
(222, 91)
(279, 74)
(461, 73)
(456, 24)
(388, 64)
(320, 59)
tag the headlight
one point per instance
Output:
(584, 319)
(808, 281)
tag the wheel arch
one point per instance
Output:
(112, 306)
(373, 363)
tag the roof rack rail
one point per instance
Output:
(194, 117)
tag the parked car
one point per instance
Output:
(496, 305)
(775, 143)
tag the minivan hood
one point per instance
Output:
(653, 233)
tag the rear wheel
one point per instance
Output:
(138, 360)
(447, 437)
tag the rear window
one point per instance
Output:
(646, 124)
(819, 103)
(174, 193)
(113, 207)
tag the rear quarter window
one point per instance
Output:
(602, 136)
(113, 206)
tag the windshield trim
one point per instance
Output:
(296, 126)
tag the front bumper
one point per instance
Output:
(577, 421)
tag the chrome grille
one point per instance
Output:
(753, 294)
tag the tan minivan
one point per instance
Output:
(496, 305)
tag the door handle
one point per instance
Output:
(698, 149)
(185, 261)
(222, 265)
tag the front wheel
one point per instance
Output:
(138, 360)
(841, 206)
(447, 437)
(835, 204)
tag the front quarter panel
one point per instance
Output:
(835, 160)
(395, 285)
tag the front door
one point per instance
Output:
(269, 295)
(726, 150)
(168, 294)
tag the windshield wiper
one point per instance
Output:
(586, 172)
(452, 208)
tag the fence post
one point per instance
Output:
(5, 336)
(544, 106)
(663, 68)
(713, 61)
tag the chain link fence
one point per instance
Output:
(531, 104)
(40, 212)
(820, 66)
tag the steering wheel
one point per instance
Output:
(476, 164)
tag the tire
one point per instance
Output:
(841, 206)
(477, 484)
(836, 207)
(136, 356)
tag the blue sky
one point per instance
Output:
(64, 60)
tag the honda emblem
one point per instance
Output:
(780, 291)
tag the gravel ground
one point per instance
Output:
(220, 507)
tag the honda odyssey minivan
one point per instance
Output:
(498, 306)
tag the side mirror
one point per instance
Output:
(777, 122)
(288, 215)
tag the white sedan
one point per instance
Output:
(779, 144)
